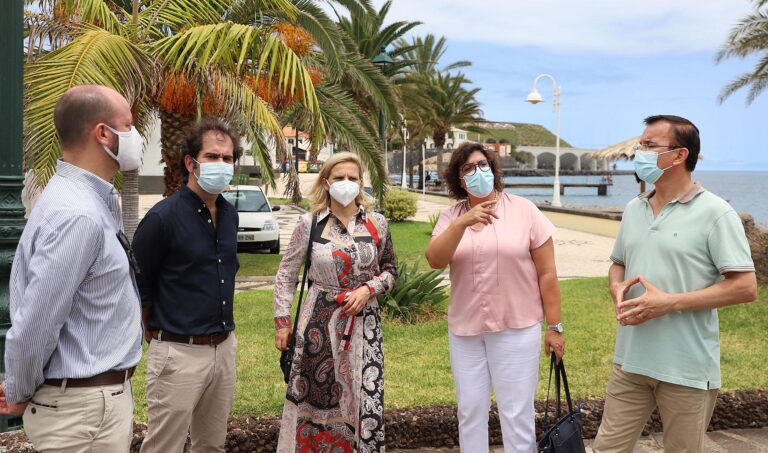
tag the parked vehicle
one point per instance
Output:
(258, 228)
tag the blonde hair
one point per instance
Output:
(319, 199)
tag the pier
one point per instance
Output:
(602, 187)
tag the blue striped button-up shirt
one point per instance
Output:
(74, 305)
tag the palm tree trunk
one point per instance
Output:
(130, 204)
(172, 133)
(412, 184)
(438, 136)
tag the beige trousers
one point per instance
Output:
(74, 420)
(190, 389)
(629, 401)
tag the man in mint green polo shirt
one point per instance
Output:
(681, 254)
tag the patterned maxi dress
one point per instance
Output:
(335, 397)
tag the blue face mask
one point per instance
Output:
(646, 165)
(214, 176)
(480, 184)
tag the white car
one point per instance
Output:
(258, 228)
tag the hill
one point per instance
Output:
(519, 134)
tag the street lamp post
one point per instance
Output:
(534, 97)
(382, 61)
(11, 155)
(424, 167)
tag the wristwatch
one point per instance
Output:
(557, 327)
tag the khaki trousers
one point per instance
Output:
(75, 420)
(629, 401)
(190, 389)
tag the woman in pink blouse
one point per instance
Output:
(335, 395)
(503, 285)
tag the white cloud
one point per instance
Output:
(616, 27)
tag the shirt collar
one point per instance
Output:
(196, 202)
(103, 189)
(695, 190)
(361, 212)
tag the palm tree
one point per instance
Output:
(366, 34)
(438, 101)
(144, 52)
(454, 106)
(748, 37)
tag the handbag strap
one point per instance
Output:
(549, 382)
(307, 262)
(565, 387)
(559, 374)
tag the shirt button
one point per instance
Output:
(223, 302)
(209, 220)
(199, 210)
(222, 282)
(219, 260)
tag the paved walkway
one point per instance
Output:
(728, 441)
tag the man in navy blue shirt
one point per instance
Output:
(186, 247)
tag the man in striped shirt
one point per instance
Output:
(76, 319)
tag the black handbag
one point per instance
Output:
(286, 357)
(565, 435)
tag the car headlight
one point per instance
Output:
(269, 226)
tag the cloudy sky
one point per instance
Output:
(616, 61)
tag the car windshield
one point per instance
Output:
(247, 200)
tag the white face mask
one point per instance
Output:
(344, 191)
(130, 144)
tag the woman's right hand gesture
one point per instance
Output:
(482, 213)
(282, 338)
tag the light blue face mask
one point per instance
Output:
(646, 165)
(214, 176)
(480, 183)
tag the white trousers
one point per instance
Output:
(508, 360)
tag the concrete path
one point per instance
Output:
(728, 441)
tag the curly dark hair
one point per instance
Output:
(459, 157)
(193, 142)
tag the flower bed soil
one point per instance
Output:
(437, 426)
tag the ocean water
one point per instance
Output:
(746, 191)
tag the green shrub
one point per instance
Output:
(433, 219)
(417, 295)
(399, 205)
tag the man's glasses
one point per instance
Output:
(128, 252)
(470, 169)
(647, 147)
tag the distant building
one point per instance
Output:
(457, 136)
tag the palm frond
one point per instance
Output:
(100, 13)
(343, 122)
(94, 57)
(238, 49)
(748, 37)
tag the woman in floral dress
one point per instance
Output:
(335, 396)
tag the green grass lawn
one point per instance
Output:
(410, 239)
(417, 365)
(283, 201)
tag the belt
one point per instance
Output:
(211, 340)
(105, 378)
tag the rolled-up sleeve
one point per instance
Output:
(385, 281)
(63, 257)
